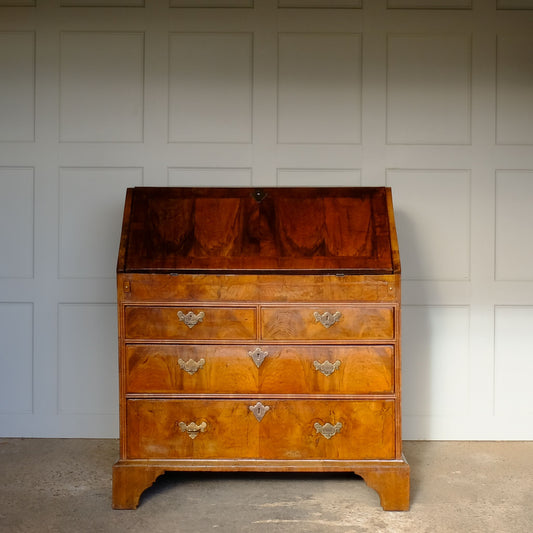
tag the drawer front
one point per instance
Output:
(339, 429)
(192, 369)
(332, 323)
(159, 429)
(270, 429)
(182, 323)
(327, 370)
(250, 369)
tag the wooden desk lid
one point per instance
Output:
(269, 230)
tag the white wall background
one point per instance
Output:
(98, 95)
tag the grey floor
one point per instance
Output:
(64, 485)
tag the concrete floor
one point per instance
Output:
(56, 485)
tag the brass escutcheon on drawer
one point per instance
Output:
(258, 355)
(259, 410)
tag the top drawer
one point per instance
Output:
(187, 323)
(327, 323)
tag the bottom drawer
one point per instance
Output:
(271, 429)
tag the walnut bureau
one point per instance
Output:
(259, 330)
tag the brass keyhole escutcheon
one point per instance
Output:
(258, 356)
(259, 410)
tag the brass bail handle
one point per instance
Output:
(192, 429)
(190, 319)
(328, 430)
(191, 366)
(327, 368)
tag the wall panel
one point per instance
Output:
(514, 220)
(17, 86)
(102, 3)
(88, 370)
(514, 4)
(16, 222)
(16, 358)
(514, 89)
(428, 89)
(9, 3)
(436, 245)
(513, 361)
(329, 4)
(210, 177)
(210, 87)
(211, 3)
(311, 109)
(101, 86)
(296, 177)
(90, 220)
(430, 4)
(435, 360)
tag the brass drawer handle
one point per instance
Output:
(327, 319)
(191, 366)
(190, 319)
(258, 356)
(259, 410)
(192, 429)
(328, 430)
(326, 367)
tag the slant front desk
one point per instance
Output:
(259, 330)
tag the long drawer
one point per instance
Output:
(334, 323)
(270, 429)
(186, 323)
(250, 369)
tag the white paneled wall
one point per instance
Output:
(428, 88)
(17, 65)
(101, 86)
(433, 98)
(210, 87)
(311, 66)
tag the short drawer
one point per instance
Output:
(265, 369)
(182, 323)
(327, 323)
(265, 429)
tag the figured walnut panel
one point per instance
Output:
(355, 323)
(366, 431)
(156, 369)
(253, 288)
(154, 429)
(163, 323)
(285, 370)
(286, 429)
(258, 230)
